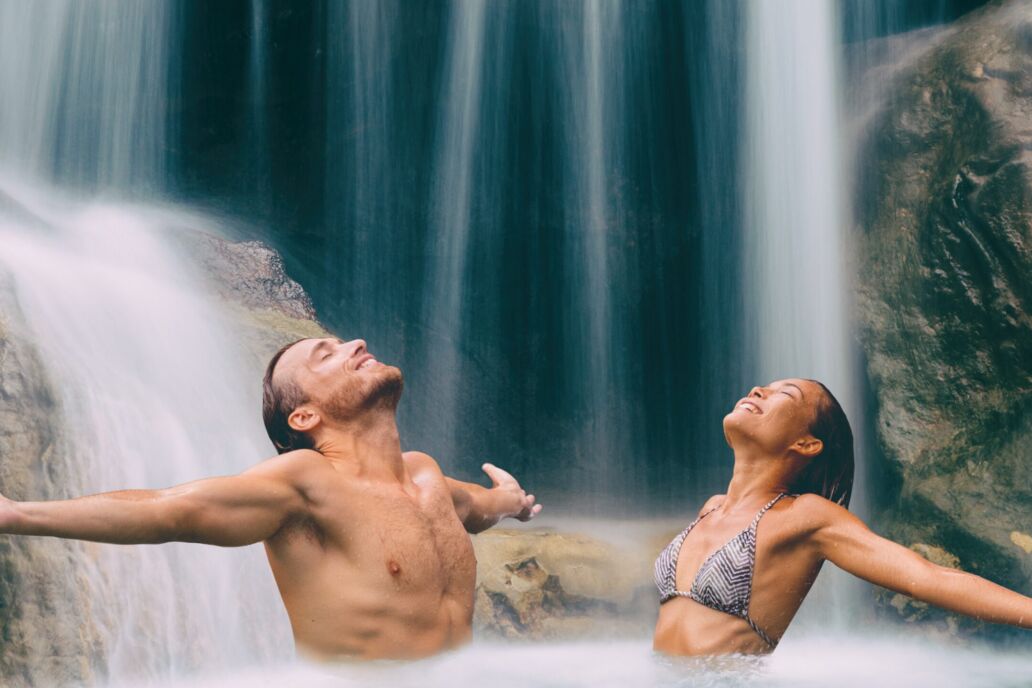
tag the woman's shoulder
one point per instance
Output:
(812, 512)
(808, 501)
(711, 503)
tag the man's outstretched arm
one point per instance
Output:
(228, 511)
(480, 507)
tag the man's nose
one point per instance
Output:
(355, 347)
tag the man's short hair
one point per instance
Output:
(278, 402)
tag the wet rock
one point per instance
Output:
(945, 296)
(546, 584)
(34, 651)
(268, 307)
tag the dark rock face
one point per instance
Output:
(945, 295)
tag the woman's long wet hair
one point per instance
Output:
(830, 473)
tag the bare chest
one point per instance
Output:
(410, 540)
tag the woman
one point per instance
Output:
(735, 577)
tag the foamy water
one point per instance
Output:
(840, 660)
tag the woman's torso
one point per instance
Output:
(783, 569)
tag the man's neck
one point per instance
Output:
(371, 444)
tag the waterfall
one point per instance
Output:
(148, 381)
(797, 277)
(151, 393)
(591, 127)
(454, 197)
(84, 92)
(258, 121)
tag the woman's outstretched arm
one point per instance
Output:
(844, 540)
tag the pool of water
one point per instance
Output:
(840, 660)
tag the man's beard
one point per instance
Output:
(381, 393)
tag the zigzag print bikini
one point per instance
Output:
(724, 581)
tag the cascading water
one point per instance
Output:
(84, 92)
(454, 201)
(149, 388)
(494, 172)
(796, 275)
(593, 102)
(132, 348)
(258, 121)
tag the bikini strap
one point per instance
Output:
(756, 519)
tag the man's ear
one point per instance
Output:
(304, 419)
(808, 446)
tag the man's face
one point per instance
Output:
(342, 379)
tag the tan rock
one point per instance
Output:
(936, 555)
(546, 584)
(1022, 540)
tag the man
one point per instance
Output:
(368, 544)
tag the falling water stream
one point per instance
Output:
(132, 346)
(129, 338)
(796, 276)
(454, 223)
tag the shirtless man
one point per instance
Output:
(367, 544)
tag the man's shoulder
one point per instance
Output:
(292, 465)
(420, 462)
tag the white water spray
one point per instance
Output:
(151, 393)
(149, 385)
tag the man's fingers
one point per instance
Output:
(530, 513)
(497, 475)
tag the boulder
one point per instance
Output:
(268, 307)
(944, 298)
(541, 583)
(34, 652)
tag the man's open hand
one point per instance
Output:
(515, 501)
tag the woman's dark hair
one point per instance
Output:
(830, 473)
(278, 402)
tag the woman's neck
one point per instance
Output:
(756, 478)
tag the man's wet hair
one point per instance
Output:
(278, 401)
(830, 473)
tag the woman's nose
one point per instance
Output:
(756, 392)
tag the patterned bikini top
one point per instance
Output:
(724, 581)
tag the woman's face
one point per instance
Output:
(774, 417)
